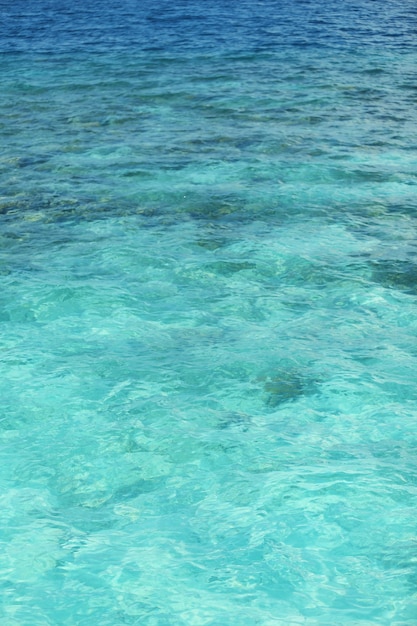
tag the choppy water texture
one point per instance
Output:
(208, 308)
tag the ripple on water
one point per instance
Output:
(207, 269)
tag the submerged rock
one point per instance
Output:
(396, 274)
(287, 385)
(227, 268)
(235, 419)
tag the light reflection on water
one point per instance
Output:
(207, 268)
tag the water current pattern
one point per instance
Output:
(208, 313)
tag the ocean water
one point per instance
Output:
(208, 309)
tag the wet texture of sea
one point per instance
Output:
(208, 313)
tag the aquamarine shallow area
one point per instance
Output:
(208, 309)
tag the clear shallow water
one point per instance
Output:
(208, 313)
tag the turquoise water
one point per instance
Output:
(208, 306)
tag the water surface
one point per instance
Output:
(208, 306)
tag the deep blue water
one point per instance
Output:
(208, 309)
